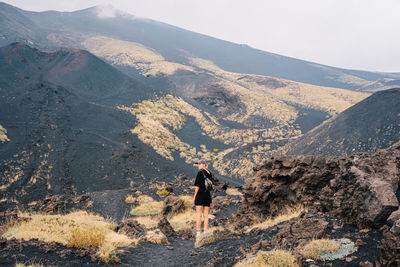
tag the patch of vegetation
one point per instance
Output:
(156, 237)
(76, 229)
(109, 253)
(187, 200)
(207, 238)
(315, 248)
(149, 222)
(273, 258)
(147, 206)
(289, 213)
(86, 236)
(328, 249)
(32, 265)
(129, 199)
(163, 192)
(3, 135)
(233, 191)
(184, 220)
(159, 118)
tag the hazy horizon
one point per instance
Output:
(354, 34)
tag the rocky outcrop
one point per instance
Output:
(390, 244)
(360, 188)
(172, 205)
(131, 228)
(166, 227)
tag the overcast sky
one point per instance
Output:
(356, 34)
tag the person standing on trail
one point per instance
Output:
(202, 196)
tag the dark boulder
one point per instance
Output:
(172, 205)
(166, 227)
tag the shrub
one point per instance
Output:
(315, 248)
(108, 254)
(163, 192)
(273, 258)
(86, 237)
(3, 135)
(208, 238)
(129, 199)
(328, 250)
(157, 237)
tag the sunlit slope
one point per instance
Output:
(123, 53)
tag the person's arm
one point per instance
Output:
(196, 189)
(196, 185)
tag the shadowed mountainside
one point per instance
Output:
(371, 124)
(65, 132)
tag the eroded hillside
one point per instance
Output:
(246, 115)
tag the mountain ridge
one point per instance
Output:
(173, 43)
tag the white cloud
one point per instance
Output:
(106, 11)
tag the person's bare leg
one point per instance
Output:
(206, 210)
(199, 212)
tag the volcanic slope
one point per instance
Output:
(62, 132)
(372, 124)
(53, 29)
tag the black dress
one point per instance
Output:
(203, 196)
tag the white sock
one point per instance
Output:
(198, 232)
(205, 230)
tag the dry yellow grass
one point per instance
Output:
(273, 258)
(3, 135)
(83, 237)
(32, 265)
(149, 221)
(147, 206)
(184, 220)
(207, 238)
(187, 200)
(75, 229)
(316, 247)
(233, 191)
(129, 199)
(157, 237)
(288, 214)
